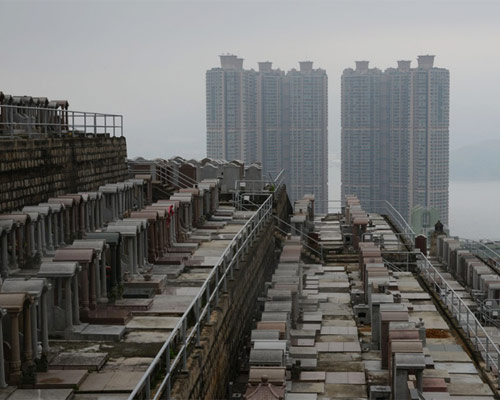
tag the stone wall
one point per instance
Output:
(212, 365)
(32, 170)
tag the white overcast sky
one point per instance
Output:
(147, 59)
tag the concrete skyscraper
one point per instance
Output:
(277, 119)
(231, 111)
(270, 119)
(306, 133)
(395, 136)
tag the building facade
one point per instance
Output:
(395, 136)
(277, 119)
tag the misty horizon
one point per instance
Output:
(130, 59)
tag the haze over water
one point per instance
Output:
(474, 209)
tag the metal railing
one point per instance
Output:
(45, 121)
(461, 312)
(483, 251)
(490, 312)
(242, 184)
(172, 357)
(397, 219)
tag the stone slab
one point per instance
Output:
(301, 396)
(313, 376)
(42, 394)
(152, 323)
(469, 389)
(350, 378)
(60, 379)
(79, 360)
(457, 368)
(308, 387)
(111, 381)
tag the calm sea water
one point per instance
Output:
(474, 205)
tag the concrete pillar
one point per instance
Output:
(20, 245)
(134, 248)
(45, 323)
(39, 239)
(5, 256)
(61, 228)
(68, 306)
(34, 330)
(104, 290)
(130, 269)
(114, 267)
(13, 246)
(76, 306)
(3, 383)
(97, 274)
(93, 278)
(28, 353)
(15, 364)
(50, 246)
(33, 237)
(56, 228)
(85, 291)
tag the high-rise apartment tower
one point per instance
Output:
(277, 119)
(395, 136)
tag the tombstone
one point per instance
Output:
(143, 244)
(209, 171)
(188, 174)
(38, 289)
(80, 209)
(268, 334)
(404, 365)
(110, 209)
(99, 246)
(113, 240)
(154, 232)
(58, 211)
(253, 178)
(421, 244)
(387, 316)
(70, 212)
(5, 229)
(63, 313)
(20, 235)
(20, 360)
(87, 259)
(129, 234)
(138, 198)
(260, 357)
(231, 174)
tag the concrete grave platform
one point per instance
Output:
(308, 387)
(101, 396)
(79, 360)
(42, 394)
(143, 336)
(60, 379)
(152, 323)
(134, 304)
(98, 332)
(111, 381)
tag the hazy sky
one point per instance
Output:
(147, 59)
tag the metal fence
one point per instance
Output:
(23, 120)
(461, 312)
(480, 249)
(242, 185)
(173, 355)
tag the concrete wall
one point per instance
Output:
(213, 364)
(33, 170)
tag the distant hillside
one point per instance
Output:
(480, 161)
